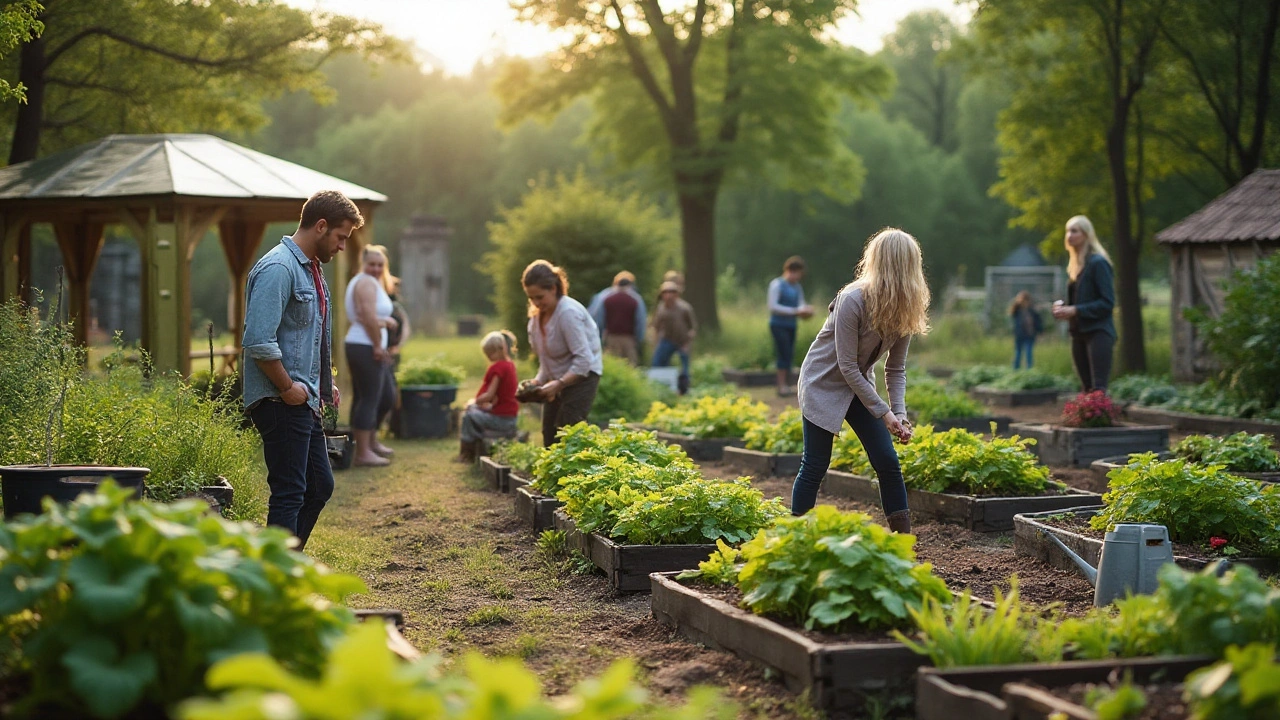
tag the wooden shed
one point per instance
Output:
(1231, 233)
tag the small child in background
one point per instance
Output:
(1026, 326)
(494, 408)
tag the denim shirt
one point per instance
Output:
(282, 322)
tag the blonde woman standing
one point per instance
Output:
(1091, 298)
(877, 313)
(373, 385)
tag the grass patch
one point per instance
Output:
(490, 615)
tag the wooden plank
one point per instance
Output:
(534, 509)
(850, 486)
(762, 464)
(495, 473)
(1029, 703)
(978, 425)
(1014, 398)
(628, 567)
(1193, 422)
(937, 699)
(1078, 447)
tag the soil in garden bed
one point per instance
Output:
(1164, 700)
(732, 595)
(1080, 525)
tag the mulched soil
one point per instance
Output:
(1164, 700)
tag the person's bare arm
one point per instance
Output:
(489, 394)
(291, 391)
(366, 302)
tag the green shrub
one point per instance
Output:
(709, 417)
(959, 461)
(1246, 685)
(1245, 337)
(581, 448)
(828, 569)
(785, 435)
(931, 401)
(1032, 380)
(707, 370)
(1143, 389)
(428, 371)
(976, 375)
(1195, 502)
(519, 456)
(363, 679)
(625, 392)
(697, 512)
(115, 605)
(590, 231)
(1240, 452)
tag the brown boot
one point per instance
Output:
(466, 452)
(900, 521)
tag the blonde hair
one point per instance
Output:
(891, 275)
(1094, 246)
(1021, 300)
(388, 280)
(498, 339)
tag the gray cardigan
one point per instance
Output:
(841, 362)
(570, 342)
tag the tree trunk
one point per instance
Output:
(698, 231)
(1133, 353)
(26, 129)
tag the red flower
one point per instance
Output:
(1093, 409)
(1217, 542)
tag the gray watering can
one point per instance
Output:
(1132, 556)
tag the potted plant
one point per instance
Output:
(1090, 429)
(340, 442)
(428, 388)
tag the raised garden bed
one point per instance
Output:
(836, 674)
(980, 514)
(495, 474)
(1078, 447)
(762, 464)
(1104, 466)
(1029, 531)
(978, 425)
(1192, 422)
(220, 495)
(535, 509)
(628, 566)
(24, 487)
(1000, 692)
(1014, 398)
(698, 449)
(756, 378)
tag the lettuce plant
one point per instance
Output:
(581, 448)
(519, 456)
(1240, 452)
(709, 417)
(785, 435)
(697, 512)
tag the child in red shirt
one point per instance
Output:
(494, 410)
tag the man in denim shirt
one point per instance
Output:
(287, 331)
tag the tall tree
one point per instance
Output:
(1077, 69)
(19, 23)
(928, 83)
(703, 91)
(163, 65)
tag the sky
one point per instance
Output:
(460, 32)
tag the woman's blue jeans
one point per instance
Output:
(878, 443)
(662, 355)
(1022, 346)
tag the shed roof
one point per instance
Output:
(119, 166)
(1248, 212)
(1025, 255)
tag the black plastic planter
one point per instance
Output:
(424, 410)
(342, 449)
(24, 486)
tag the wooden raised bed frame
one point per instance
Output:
(762, 464)
(1193, 422)
(535, 509)
(495, 474)
(1103, 467)
(1028, 539)
(980, 514)
(628, 566)
(999, 692)
(978, 425)
(755, 378)
(835, 674)
(1078, 447)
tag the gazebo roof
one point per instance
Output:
(1248, 212)
(121, 166)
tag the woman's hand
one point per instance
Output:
(805, 312)
(390, 323)
(1064, 312)
(551, 390)
(898, 428)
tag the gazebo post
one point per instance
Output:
(239, 238)
(16, 256)
(165, 275)
(80, 242)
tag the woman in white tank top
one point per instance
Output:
(373, 386)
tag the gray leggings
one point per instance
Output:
(373, 387)
(1091, 355)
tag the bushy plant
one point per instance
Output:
(1240, 452)
(519, 456)
(828, 569)
(697, 512)
(785, 435)
(848, 455)
(581, 448)
(976, 375)
(1031, 380)
(931, 401)
(114, 605)
(1195, 502)
(1245, 337)
(363, 679)
(960, 461)
(625, 392)
(707, 370)
(721, 568)
(1090, 410)
(1245, 685)
(428, 371)
(1143, 389)
(964, 633)
(595, 498)
(709, 417)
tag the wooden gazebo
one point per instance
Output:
(168, 191)
(1233, 232)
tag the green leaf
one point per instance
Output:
(109, 684)
(105, 595)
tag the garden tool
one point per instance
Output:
(1132, 556)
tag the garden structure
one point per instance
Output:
(1231, 233)
(168, 191)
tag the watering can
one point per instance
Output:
(1132, 556)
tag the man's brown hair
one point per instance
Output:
(331, 206)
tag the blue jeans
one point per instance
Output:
(1020, 346)
(784, 345)
(662, 355)
(817, 458)
(298, 471)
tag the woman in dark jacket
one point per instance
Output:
(1091, 298)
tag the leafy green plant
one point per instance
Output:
(1240, 452)
(625, 392)
(931, 401)
(721, 568)
(1244, 686)
(829, 569)
(100, 589)
(697, 512)
(363, 679)
(1031, 380)
(848, 455)
(960, 461)
(709, 417)
(976, 375)
(595, 499)
(786, 435)
(1245, 336)
(428, 371)
(519, 456)
(1196, 502)
(965, 633)
(1122, 702)
(1143, 389)
(580, 448)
